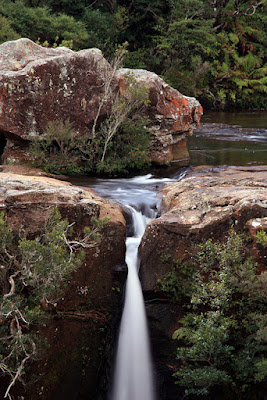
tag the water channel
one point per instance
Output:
(221, 139)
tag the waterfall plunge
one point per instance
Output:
(133, 371)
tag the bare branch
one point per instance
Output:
(17, 375)
(247, 12)
(12, 283)
(108, 74)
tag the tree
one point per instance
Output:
(6, 31)
(33, 275)
(125, 106)
(38, 23)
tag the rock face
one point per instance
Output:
(206, 203)
(38, 85)
(75, 335)
(172, 117)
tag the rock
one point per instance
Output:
(27, 202)
(38, 85)
(172, 117)
(206, 203)
(76, 334)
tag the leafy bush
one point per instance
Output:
(6, 31)
(38, 23)
(128, 151)
(223, 334)
(57, 150)
(178, 283)
(33, 272)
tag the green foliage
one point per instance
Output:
(56, 152)
(128, 151)
(225, 330)
(178, 283)
(6, 31)
(261, 238)
(34, 272)
(39, 24)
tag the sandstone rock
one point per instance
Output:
(27, 202)
(206, 203)
(88, 299)
(38, 85)
(172, 115)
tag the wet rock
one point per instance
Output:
(206, 203)
(78, 328)
(38, 85)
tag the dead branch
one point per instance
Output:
(17, 375)
(12, 284)
(247, 12)
(100, 316)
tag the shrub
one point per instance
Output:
(33, 272)
(223, 333)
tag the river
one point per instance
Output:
(230, 139)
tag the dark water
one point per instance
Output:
(230, 139)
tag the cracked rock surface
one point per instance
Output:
(205, 204)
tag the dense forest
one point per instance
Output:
(214, 50)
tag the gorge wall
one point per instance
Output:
(78, 332)
(205, 204)
(38, 85)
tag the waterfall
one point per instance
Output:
(133, 370)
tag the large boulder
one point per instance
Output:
(205, 204)
(38, 85)
(172, 117)
(78, 329)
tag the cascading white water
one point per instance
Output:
(133, 371)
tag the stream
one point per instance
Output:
(133, 377)
(221, 139)
(230, 139)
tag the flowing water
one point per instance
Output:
(133, 377)
(222, 139)
(133, 372)
(230, 139)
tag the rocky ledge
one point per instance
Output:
(77, 332)
(205, 204)
(38, 85)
